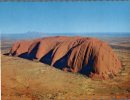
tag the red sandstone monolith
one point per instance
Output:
(89, 56)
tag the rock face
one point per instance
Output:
(88, 56)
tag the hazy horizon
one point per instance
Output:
(31, 35)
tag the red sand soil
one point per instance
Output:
(88, 56)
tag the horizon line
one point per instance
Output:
(59, 32)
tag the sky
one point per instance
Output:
(65, 17)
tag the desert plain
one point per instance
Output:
(23, 79)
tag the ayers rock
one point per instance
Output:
(88, 56)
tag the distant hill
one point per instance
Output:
(31, 35)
